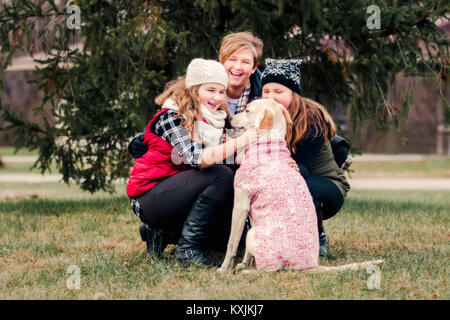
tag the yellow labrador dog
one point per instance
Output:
(284, 223)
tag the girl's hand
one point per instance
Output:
(293, 164)
(248, 137)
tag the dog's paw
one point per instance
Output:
(222, 269)
(249, 271)
(246, 263)
(241, 266)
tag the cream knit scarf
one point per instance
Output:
(209, 134)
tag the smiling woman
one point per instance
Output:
(240, 54)
(240, 66)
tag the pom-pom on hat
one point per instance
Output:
(285, 72)
(201, 71)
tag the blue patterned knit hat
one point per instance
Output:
(285, 72)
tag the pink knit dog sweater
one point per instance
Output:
(281, 207)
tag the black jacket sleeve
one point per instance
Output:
(307, 150)
(137, 148)
(340, 147)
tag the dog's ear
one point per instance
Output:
(286, 115)
(264, 120)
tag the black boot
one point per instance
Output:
(323, 240)
(155, 239)
(220, 228)
(323, 244)
(195, 230)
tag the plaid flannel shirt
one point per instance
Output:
(240, 106)
(243, 99)
(170, 129)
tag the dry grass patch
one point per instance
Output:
(40, 239)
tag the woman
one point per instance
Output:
(176, 188)
(309, 142)
(240, 54)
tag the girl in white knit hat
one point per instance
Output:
(200, 97)
(177, 188)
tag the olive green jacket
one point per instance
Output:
(326, 166)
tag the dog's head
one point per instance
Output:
(264, 114)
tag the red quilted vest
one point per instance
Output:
(155, 165)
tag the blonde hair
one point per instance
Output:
(241, 40)
(188, 103)
(305, 112)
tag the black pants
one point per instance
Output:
(327, 198)
(167, 204)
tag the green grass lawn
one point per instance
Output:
(64, 226)
(428, 167)
(41, 238)
(56, 190)
(25, 167)
(10, 151)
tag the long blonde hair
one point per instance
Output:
(188, 103)
(305, 112)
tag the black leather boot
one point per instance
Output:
(323, 244)
(323, 240)
(194, 232)
(155, 239)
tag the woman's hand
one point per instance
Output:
(348, 162)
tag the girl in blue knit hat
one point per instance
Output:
(309, 142)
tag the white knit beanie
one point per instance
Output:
(201, 71)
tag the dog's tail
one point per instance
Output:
(351, 266)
